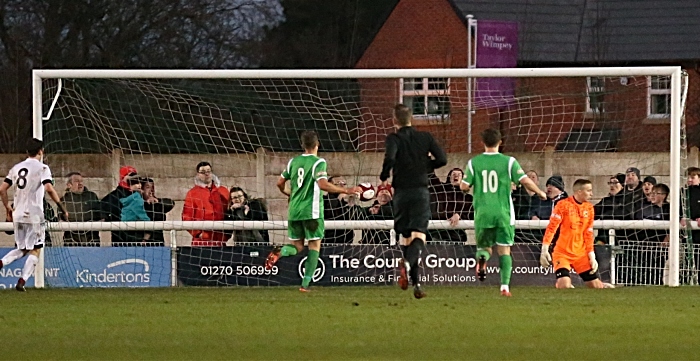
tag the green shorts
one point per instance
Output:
(488, 237)
(308, 229)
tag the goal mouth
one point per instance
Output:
(592, 123)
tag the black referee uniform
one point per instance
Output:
(407, 158)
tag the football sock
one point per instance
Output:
(311, 263)
(288, 250)
(413, 254)
(482, 252)
(12, 256)
(506, 264)
(29, 264)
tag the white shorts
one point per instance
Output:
(29, 235)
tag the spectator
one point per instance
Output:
(435, 186)
(523, 198)
(541, 210)
(49, 216)
(647, 185)
(633, 192)
(339, 207)
(692, 211)
(112, 207)
(133, 210)
(156, 209)
(242, 208)
(206, 201)
(693, 200)
(452, 205)
(612, 207)
(83, 206)
(659, 207)
(382, 209)
(645, 260)
(555, 192)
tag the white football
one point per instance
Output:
(368, 191)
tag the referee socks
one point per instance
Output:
(412, 255)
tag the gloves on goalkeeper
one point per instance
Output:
(545, 257)
(594, 263)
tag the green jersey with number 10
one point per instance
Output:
(306, 201)
(490, 176)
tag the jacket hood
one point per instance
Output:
(214, 179)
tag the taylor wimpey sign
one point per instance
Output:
(496, 47)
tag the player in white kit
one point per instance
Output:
(30, 179)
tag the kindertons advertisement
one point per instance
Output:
(107, 267)
(361, 265)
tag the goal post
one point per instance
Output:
(343, 104)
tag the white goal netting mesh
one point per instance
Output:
(614, 131)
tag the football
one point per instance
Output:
(367, 191)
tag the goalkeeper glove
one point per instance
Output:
(594, 263)
(545, 257)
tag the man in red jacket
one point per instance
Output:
(206, 201)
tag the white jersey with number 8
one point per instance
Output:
(28, 179)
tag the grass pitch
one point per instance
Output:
(366, 323)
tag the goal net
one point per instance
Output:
(621, 128)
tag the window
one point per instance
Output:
(595, 92)
(428, 97)
(659, 96)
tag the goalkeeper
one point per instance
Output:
(573, 217)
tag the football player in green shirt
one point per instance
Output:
(308, 177)
(490, 175)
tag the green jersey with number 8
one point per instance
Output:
(490, 176)
(306, 201)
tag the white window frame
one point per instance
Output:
(590, 90)
(425, 92)
(653, 92)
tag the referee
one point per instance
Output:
(408, 159)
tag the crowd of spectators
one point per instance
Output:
(135, 199)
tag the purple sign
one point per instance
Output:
(496, 47)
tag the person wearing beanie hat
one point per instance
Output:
(112, 206)
(555, 181)
(542, 209)
(616, 183)
(620, 178)
(632, 178)
(633, 192)
(387, 191)
(126, 172)
(647, 185)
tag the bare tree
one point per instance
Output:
(119, 34)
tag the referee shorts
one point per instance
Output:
(411, 211)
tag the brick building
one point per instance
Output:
(607, 114)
